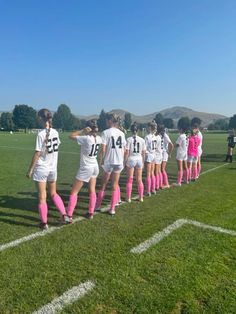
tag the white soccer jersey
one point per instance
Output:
(115, 142)
(167, 141)
(159, 145)
(48, 151)
(151, 143)
(89, 149)
(182, 141)
(200, 145)
(136, 146)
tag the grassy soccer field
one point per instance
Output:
(193, 270)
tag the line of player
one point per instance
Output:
(113, 152)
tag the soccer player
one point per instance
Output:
(111, 158)
(88, 170)
(134, 161)
(181, 156)
(200, 151)
(167, 150)
(43, 168)
(151, 146)
(158, 158)
(193, 145)
(231, 145)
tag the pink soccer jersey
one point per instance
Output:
(194, 142)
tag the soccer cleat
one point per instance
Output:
(43, 226)
(98, 209)
(112, 212)
(141, 200)
(88, 216)
(186, 182)
(148, 194)
(154, 192)
(65, 219)
(176, 184)
(128, 200)
(165, 187)
(70, 219)
(119, 203)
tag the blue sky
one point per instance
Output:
(137, 55)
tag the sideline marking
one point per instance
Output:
(66, 298)
(157, 237)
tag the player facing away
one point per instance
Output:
(231, 139)
(88, 170)
(167, 150)
(181, 156)
(151, 146)
(158, 159)
(134, 161)
(111, 157)
(43, 168)
(193, 144)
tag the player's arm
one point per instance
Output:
(126, 155)
(34, 160)
(101, 154)
(170, 148)
(85, 131)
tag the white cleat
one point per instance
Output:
(141, 200)
(128, 200)
(176, 184)
(112, 212)
(98, 209)
(148, 194)
(154, 192)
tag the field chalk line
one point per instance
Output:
(66, 298)
(52, 229)
(157, 237)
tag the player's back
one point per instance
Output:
(136, 146)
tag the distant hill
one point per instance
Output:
(174, 113)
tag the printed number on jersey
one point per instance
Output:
(94, 150)
(52, 145)
(117, 142)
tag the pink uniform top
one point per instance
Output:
(194, 142)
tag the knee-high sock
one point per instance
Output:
(186, 175)
(92, 202)
(160, 180)
(71, 205)
(180, 176)
(129, 185)
(148, 184)
(165, 178)
(140, 189)
(153, 180)
(57, 201)
(43, 212)
(114, 199)
(194, 172)
(100, 198)
(118, 194)
(157, 181)
(199, 168)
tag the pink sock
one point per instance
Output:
(194, 172)
(180, 176)
(157, 181)
(71, 205)
(43, 212)
(114, 199)
(186, 175)
(165, 178)
(118, 194)
(153, 183)
(92, 202)
(100, 198)
(160, 180)
(129, 184)
(57, 201)
(140, 189)
(148, 184)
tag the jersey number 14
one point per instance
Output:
(118, 142)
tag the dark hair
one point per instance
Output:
(92, 124)
(161, 129)
(195, 126)
(113, 117)
(134, 127)
(152, 125)
(46, 116)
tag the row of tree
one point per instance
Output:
(25, 117)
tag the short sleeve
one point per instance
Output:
(104, 138)
(167, 138)
(81, 139)
(39, 143)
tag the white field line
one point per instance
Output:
(213, 169)
(66, 298)
(156, 238)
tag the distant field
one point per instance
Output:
(193, 270)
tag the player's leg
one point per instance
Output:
(148, 177)
(164, 175)
(57, 201)
(199, 165)
(129, 183)
(115, 177)
(153, 178)
(139, 181)
(92, 197)
(194, 166)
(101, 193)
(187, 171)
(180, 172)
(42, 203)
(73, 198)
(157, 176)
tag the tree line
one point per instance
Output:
(25, 117)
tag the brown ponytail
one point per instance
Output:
(46, 116)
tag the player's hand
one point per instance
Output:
(29, 174)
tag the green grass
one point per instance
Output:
(191, 271)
